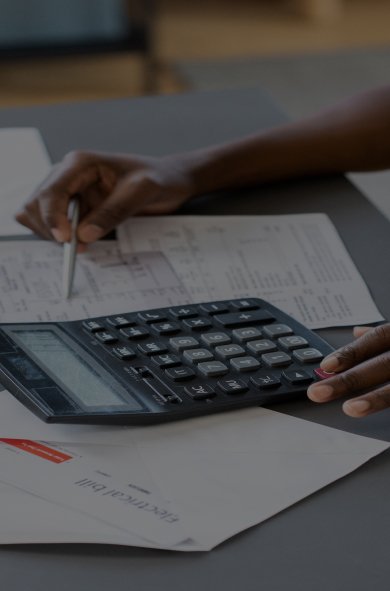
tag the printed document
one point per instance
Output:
(106, 282)
(182, 486)
(24, 163)
(297, 262)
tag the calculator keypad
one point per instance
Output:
(215, 351)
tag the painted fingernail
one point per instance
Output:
(356, 407)
(90, 233)
(57, 234)
(330, 363)
(319, 392)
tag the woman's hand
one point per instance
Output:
(110, 188)
(363, 365)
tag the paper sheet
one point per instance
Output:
(105, 282)
(297, 262)
(221, 474)
(24, 163)
(130, 503)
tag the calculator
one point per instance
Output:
(162, 364)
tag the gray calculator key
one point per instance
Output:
(261, 346)
(229, 351)
(200, 392)
(297, 376)
(276, 359)
(123, 352)
(197, 355)
(293, 342)
(245, 363)
(308, 355)
(265, 381)
(278, 330)
(179, 374)
(213, 368)
(233, 386)
(106, 337)
(215, 338)
(120, 321)
(181, 343)
(93, 325)
(243, 335)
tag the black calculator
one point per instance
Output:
(157, 365)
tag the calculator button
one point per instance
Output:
(261, 346)
(215, 338)
(247, 304)
(278, 330)
(166, 327)
(179, 374)
(229, 351)
(233, 386)
(297, 377)
(106, 337)
(182, 343)
(245, 363)
(197, 323)
(321, 374)
(294, 342)
(307, 355)
(166, 360)
(213, 368)
(181, 312)
(152, 348)
(93, 326)
(152, 316)
(123, 352)
(197, 355)
(201, 392)
(276, 359)
(237, 319)
(214, 308)
(265, 381)
(120, 321)
(135, 333)
(243, 335)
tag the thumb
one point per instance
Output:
(128, 197)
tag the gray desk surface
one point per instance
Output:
(337, 539)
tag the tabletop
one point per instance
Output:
(337, 538)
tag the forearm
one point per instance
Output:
(352, 136)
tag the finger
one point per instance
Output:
(33, 221)
(365, 405)
(54, 199)
(365, 375)
(359, 331)
(371, 343)
(130, 196)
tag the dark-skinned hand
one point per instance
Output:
(361, 366)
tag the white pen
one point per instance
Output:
(70, 250)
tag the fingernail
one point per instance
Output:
(57, 234)
(356, 407)
(330, 363)
(90, 233)
(319, 393)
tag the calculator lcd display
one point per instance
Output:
(69, 369)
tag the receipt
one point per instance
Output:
(297, 262)
(106, 282)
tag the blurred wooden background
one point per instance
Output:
(201, 29)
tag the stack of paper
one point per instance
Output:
(181, 486)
